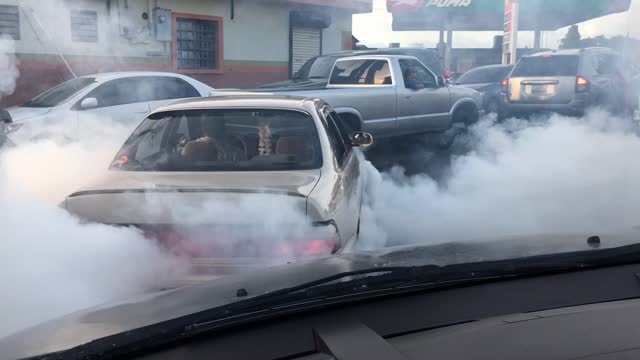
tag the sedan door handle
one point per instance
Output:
(408, 96)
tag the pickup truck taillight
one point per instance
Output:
(582, 84)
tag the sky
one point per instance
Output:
(374, 30)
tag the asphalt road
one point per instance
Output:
(429, 154)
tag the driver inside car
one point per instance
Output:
(215, 144)
(411, 80)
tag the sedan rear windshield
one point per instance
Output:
(60, 93)
(223, 140)
(561, 65)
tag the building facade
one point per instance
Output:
(224, 43)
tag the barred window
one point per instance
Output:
(84, 26)
(10, 21)
(197, 43)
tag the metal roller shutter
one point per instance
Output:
(305, 44)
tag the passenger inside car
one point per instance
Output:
(294, 147)
(215, 144)
(222, 140)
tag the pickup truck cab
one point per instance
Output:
(392, 95)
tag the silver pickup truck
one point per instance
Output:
(392, 95)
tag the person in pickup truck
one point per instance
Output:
(411, 80)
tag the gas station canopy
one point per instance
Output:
(488, 15)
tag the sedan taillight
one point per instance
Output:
(322, 240)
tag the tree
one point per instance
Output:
(572, 39)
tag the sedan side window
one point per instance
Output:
(339, 148)
(122, 92)
(342, 127)
(167, 88)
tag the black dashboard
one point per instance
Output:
(592, 314)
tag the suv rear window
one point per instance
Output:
(561, 65)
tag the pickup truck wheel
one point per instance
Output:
(466, 114)
(457, 138)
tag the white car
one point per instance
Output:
(236, 177)
(125, 98)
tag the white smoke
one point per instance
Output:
(53, 264)
(270, 228)
(8, 70)
(53, 168)
(559, 175)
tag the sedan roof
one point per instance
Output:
(127, 74)
(241, 100)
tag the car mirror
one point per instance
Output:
(89, 103)
(441, 81)
(361, 139)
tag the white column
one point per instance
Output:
(448, 59)
(537, 39)
(514, 30)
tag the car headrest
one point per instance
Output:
(293, 145)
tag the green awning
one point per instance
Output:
(488, 15)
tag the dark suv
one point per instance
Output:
(315, 72)
(487, 80)
(568, 82)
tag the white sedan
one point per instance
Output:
(238, 176)
(125, 98)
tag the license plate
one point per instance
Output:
(636, 115)
(538, 89)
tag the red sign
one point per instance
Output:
(404, 5)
